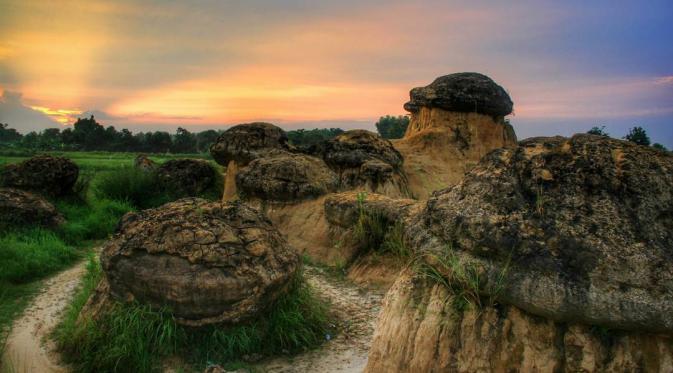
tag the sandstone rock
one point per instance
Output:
(20, 208)
(245, 142)
(420, 330)
(53, 176)
(144, 163)
(586, 224)
(448, 134)
(343, 209)
(186, 177)
(286, 177)
(208, 262)
(363, 159)
(462, 92)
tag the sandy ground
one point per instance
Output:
(356, 310)
(27, 349)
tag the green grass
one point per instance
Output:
(465, 281)
(136, 337)
(375, 233)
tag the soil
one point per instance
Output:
(28, 349)
(355, 311)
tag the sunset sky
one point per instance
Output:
(147, 65)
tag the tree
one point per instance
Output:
(391, 127)
(638, 135)
(158, 142)
(88, 134)
(9, 135)
(183, 141)
(658, 146)
(600, 131)
(204, 139)
(306, 138)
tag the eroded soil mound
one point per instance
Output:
(20, 209)
(209, 262)
(186, 177)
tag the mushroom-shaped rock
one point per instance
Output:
(209, 262)
(454, 122)
(286, 177)
(186, 177)
(364, 159)
(245, 142)
(571, 237)
(20, 208)
(53, 176)
(462, 92)
(144, 163)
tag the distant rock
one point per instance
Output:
(20, 209)
(364, 159)
(144, 163)
(51, 176)
(462, 92)
(209, 262)
(286, 177)
(186, 177)
(246, 142)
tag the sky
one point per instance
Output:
(148, 65)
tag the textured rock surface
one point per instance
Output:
(54, 176)
(186, 177)
(420, 331)
(444, 140)
(343, 209)
(245, 142)
(462, 92)
(143, 162)
(286, 177)
(582, 230)
(586, 221)
(20, 208)
(364, 159)
(209, 262)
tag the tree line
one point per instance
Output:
(637, 135)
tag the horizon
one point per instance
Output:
(136, 65)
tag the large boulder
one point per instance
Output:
(286, 177)
(564, 246)
(246, 142)
(144, 163)
(462, 92)
(454, 122)
(186, 177)
(364, 159)
(209, 262)
(19, 209)
(52, 176)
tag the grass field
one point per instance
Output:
(28, 254)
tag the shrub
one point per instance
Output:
(374, 232)
(136, 337)
(92, 221)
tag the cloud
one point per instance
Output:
(21, 117)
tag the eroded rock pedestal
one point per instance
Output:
(455, 121)
(208, 262)
(576, 235)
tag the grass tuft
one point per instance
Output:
(139, 188)
(137, 338)
(375, 233)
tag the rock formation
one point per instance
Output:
(51, 176)
(571, 238)
(186, 177)
(144, 163)
(363, 159)
(209, 262)
(286, 177)
(455, 121)
(20, 209)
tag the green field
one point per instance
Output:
(28, 255)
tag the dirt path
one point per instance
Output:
(347, 352)
(27, 349)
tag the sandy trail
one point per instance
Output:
(347, 352)
(27, 348)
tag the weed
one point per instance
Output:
(136, 337)
(376, 233)
(137, 187)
